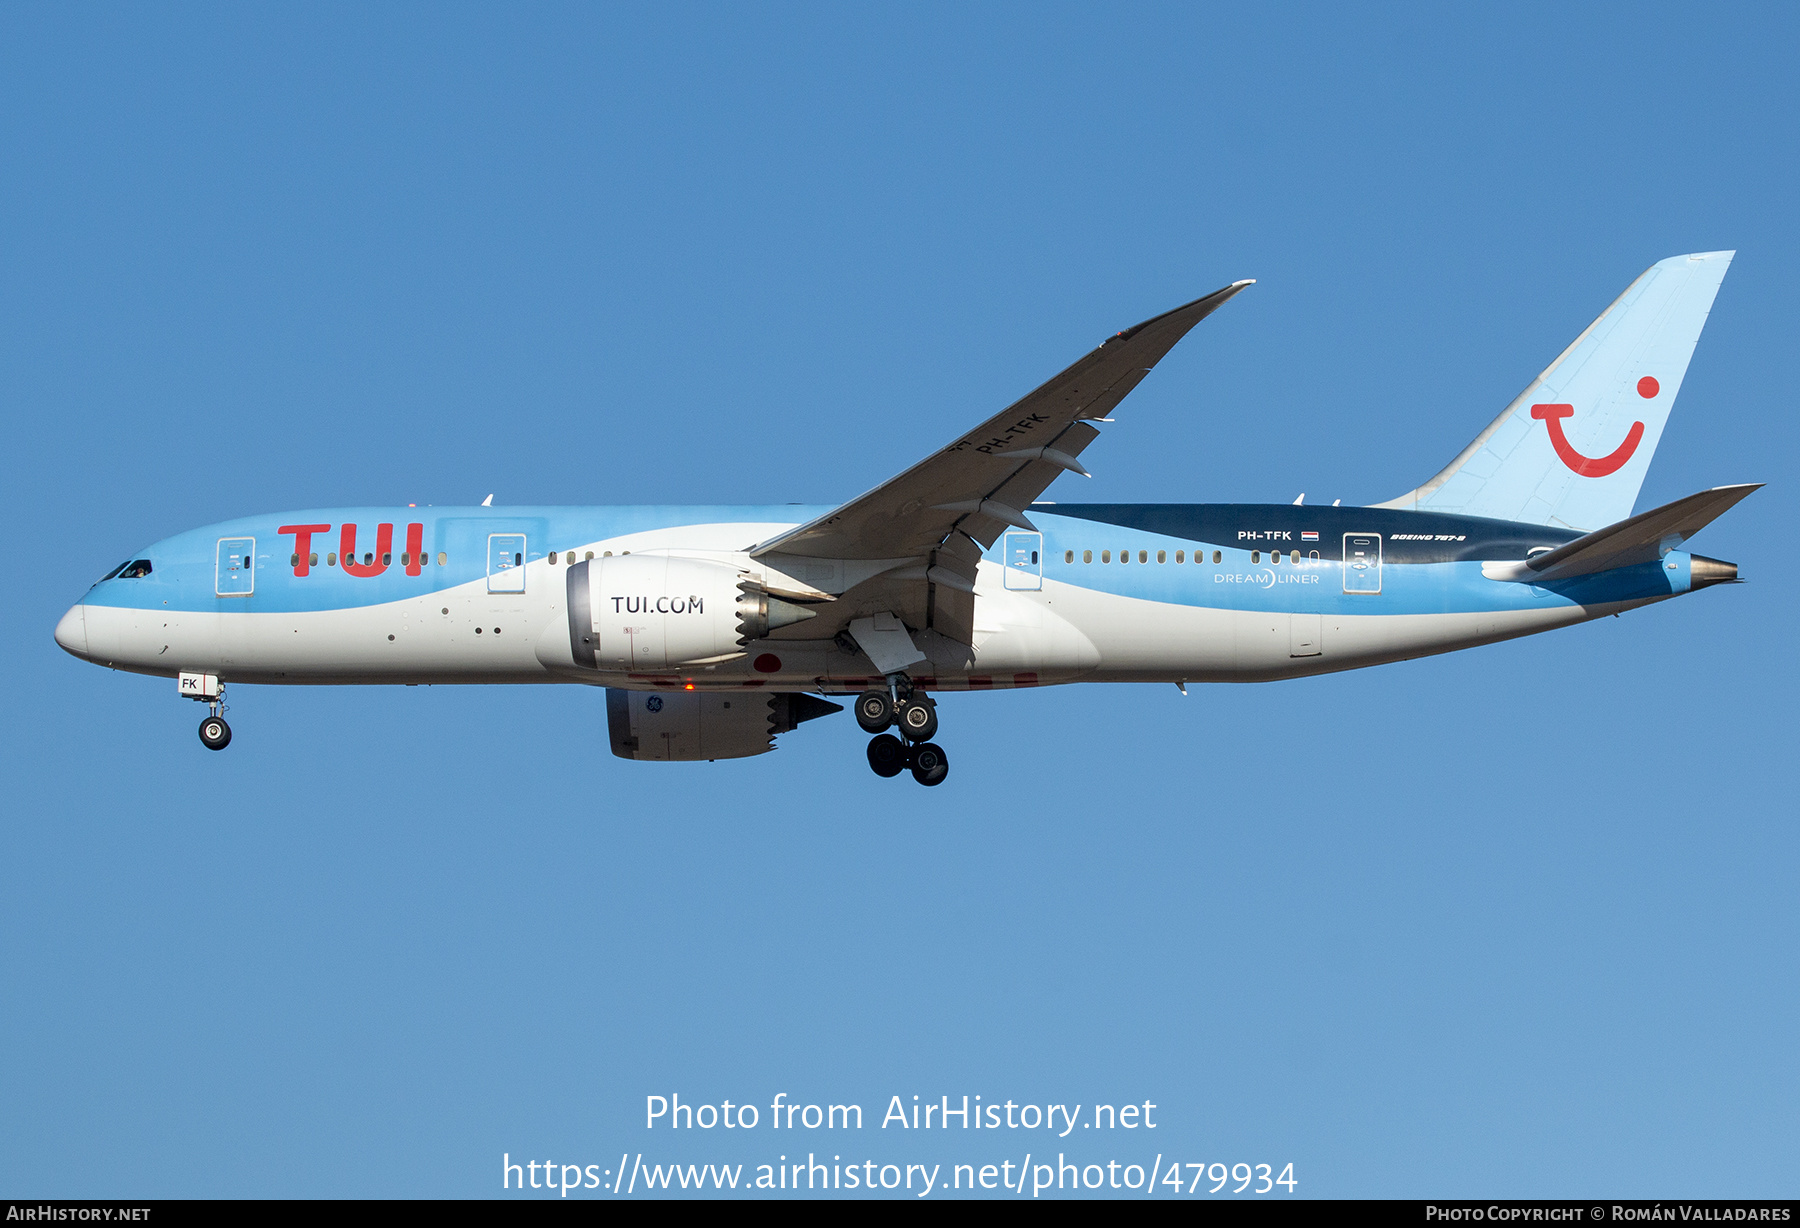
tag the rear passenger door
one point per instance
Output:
(1362, 562)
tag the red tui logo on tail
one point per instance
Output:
(1593, 466)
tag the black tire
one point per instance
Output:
(918, 720)
(874, 711)
(215, 733)
(930, 765)
(887, 755)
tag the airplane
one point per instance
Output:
(715, 629)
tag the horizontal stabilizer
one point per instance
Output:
(1644, 538)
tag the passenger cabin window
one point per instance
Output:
(331, 558)
(1068, 556)
(1106, 556)
(1143, 556)
(1256, 556)
(1087, 556)
(1294, 556)
(441, 558)
(1218, 556)
(1162, 556)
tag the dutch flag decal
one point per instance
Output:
(1308, 535)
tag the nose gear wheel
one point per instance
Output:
(215, 733)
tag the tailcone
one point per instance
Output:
(1705, 572)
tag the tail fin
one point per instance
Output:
(1573, 448)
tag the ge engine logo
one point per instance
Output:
(654, 703)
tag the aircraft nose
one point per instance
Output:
(71, 632)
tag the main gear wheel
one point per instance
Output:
(930, 764)
(874, 711)
(917, 718)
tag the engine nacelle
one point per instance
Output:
(687, 725)
(643, 612)
(651, 611)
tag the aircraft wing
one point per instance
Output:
(934, 520)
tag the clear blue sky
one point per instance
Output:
(1517, 921)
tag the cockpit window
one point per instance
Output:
(137, 569)
(109, 575)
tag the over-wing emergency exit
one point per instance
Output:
(715, 629)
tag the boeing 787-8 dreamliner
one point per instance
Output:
(714, 629)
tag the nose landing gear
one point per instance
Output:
(215, 734)
(915, 714)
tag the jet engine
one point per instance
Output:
(641, 612)
(667, 726)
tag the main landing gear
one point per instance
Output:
(915, 714)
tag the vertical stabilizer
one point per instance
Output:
(1573, 448)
